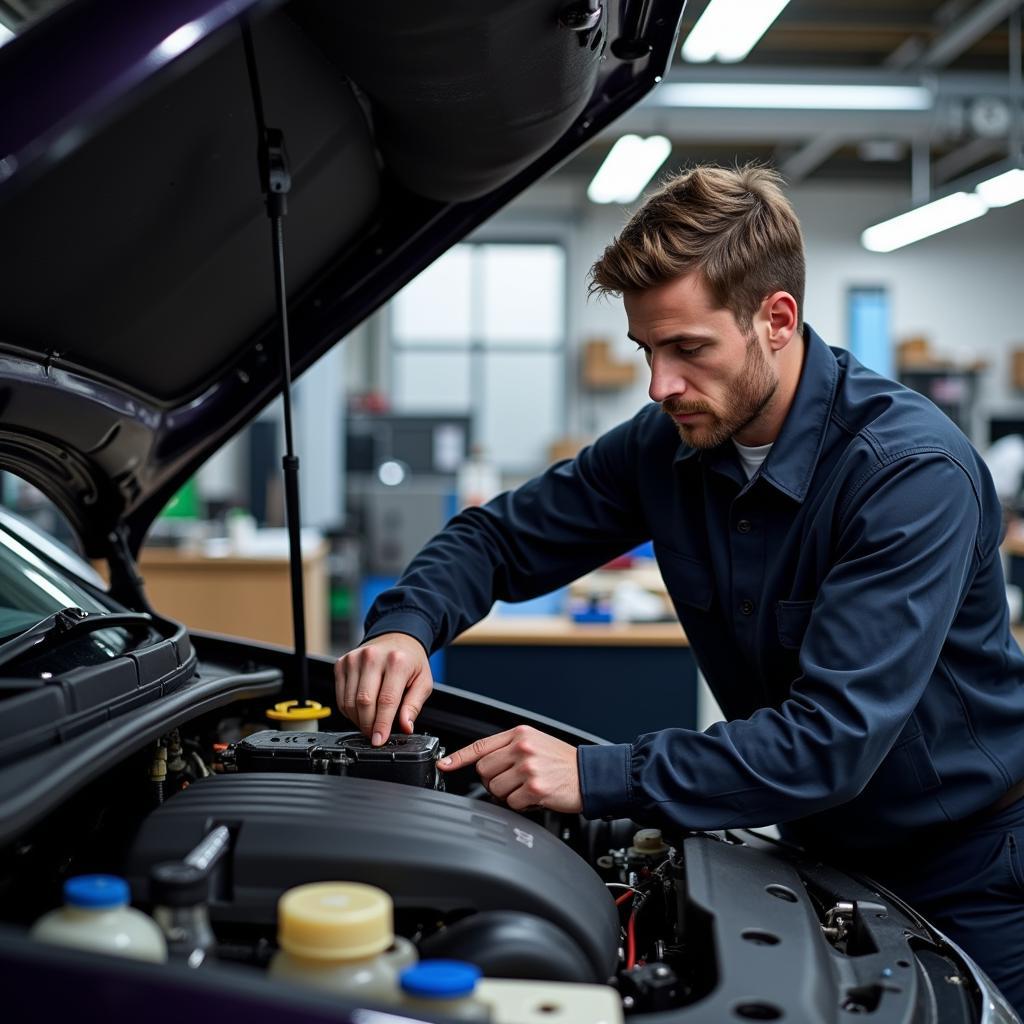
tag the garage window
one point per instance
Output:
(482, 331)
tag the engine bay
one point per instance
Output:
(451, 864)
(700, 926)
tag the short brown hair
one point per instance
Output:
(734, 225)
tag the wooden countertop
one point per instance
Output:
(191, 558)
(556, 631)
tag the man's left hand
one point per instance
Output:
(525, 768)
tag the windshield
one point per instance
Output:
(31, 590)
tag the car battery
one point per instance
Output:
(411, 760)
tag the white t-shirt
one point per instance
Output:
(751, 456)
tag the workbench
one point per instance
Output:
(239, 595)
(616, 680)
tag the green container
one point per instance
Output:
(184, 504)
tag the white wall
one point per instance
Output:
(962, 289)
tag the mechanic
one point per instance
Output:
(830, 542)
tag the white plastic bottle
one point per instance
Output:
(401, 954)
(444, 987)
(333, 935)
(96, 916)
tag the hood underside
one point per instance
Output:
(137, 313)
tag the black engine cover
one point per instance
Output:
(429, 850)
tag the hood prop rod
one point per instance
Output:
(276, 182)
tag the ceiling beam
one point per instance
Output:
(807, 135)
(962, 34)
(770, 127)
(967, 156)
(809, 157)
(907, 54)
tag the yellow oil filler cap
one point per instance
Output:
(335, 921)
(291, 715)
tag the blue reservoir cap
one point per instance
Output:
(96, 891)
(440, 979)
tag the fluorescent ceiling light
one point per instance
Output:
(729, 29)
(1003, 189)
(763, 95)
(927, 220)
(627, 168)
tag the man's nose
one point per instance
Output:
(664, 383)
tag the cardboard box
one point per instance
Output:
(601, 371)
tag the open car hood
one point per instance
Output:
(137, 314)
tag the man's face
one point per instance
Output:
(712, 378)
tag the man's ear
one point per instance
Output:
(781, 312)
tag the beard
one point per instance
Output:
(745, 399)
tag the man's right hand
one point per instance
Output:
(388, 674)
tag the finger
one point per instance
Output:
(496, 762)
(473, 753)
(393, 684)
(527, 795)
(505, 783)
(366, 689)
(415, 697)
(339, 684)
(349, 679)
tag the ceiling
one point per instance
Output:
(960, 49)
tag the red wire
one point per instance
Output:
(625, 896)
(631, 942)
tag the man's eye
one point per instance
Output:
(643, 348)
(690, 351)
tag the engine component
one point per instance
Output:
(434, 852)
(178, 891)
(510, 944)
(649, 843)
(650, 988)
(411, 760)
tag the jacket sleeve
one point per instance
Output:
(576, 516)
(906, 551)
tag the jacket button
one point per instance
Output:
(747, 607)
(743, 526)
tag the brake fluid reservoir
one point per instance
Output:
(96, 916)
(334, 935)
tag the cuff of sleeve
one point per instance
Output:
(411, 623)
(605, 784)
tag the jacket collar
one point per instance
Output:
(794, 455)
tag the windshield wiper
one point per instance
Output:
(65, 625)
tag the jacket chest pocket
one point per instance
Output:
(792, 618)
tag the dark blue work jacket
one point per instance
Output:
(846, 606)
